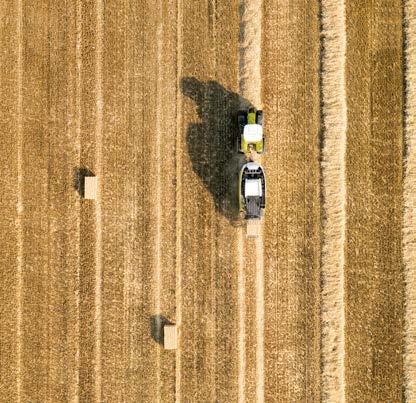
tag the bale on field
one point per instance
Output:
(169, 337)
(90, 187)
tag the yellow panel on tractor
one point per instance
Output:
(251, 118)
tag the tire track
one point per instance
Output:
(334, 199)
(409, 219)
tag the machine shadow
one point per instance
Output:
(212, 142)
(157, 322)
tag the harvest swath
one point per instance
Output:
(140, 284)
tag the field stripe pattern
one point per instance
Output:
(334, 196)
(144, 95)
(374, 327)
(292, 222)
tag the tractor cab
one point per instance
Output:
(250, 139)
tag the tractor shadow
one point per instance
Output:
(157, 322)
(212, 141)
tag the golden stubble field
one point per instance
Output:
(144, 94)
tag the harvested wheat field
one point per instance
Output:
(144, 95)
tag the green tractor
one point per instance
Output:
(250, 136)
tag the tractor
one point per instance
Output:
(250, 139)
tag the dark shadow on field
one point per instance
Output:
(157, 322)
(212, 142)
(79, 174)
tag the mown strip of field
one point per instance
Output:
(333, 190)
(374, 269)
(290, 65)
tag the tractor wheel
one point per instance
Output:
(242, 120)
(259, 117)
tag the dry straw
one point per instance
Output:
(250, 91)
(409, 227)
(334, 196)
(250, 52)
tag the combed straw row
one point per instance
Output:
(334, 196)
